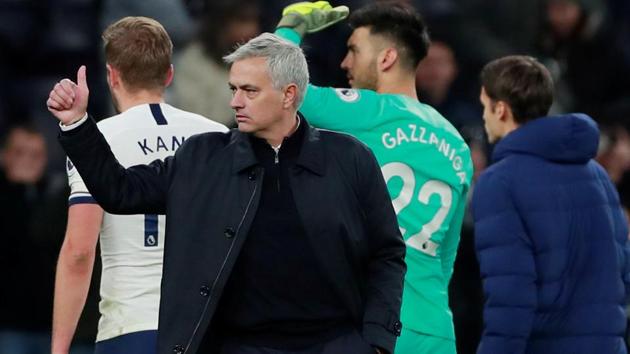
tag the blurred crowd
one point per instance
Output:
(584, 43)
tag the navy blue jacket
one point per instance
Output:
(551, 239)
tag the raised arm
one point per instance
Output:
(136, 190)
(339, 109)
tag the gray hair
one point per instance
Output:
(286, 63)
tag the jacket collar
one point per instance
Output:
(311, 155)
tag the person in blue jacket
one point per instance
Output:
(551, 237)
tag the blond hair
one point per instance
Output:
(140, 49)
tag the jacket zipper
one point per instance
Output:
(216, 279)
(276, 161)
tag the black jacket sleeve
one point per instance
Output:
(386, 269)
(137, 190)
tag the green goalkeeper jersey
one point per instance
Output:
(428, 170)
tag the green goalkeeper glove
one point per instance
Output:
(309, 17)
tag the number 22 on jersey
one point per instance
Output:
(421, 240)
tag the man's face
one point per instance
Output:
(437, 71)
(258, 106)
(491, 117)
(360, 61)
(563, 16)
(239, 29)
(24, 157)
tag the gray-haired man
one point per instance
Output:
(280, 237)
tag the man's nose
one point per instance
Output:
(237, 100)
(344, 63)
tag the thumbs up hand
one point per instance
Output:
(68, 100)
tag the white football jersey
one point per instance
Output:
(132, 245)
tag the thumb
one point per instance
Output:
(81, 78)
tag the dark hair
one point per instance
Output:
(398, 22)
(522, 82)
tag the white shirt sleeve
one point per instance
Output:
(66, 128)
(79, 193)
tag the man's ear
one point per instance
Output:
(504, 111)
(169, 75)
(387, 58)
(113, 76)
(500, 109)
(290, 95)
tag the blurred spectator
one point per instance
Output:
(488, 29)
(614, 156)
(32, 223)
(172, 14)
(494, 28)
(24, 156)
(614, 151)
(589, 69)
(434, 79)
(200, 85)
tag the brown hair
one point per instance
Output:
(522, 82)
(140, 49)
